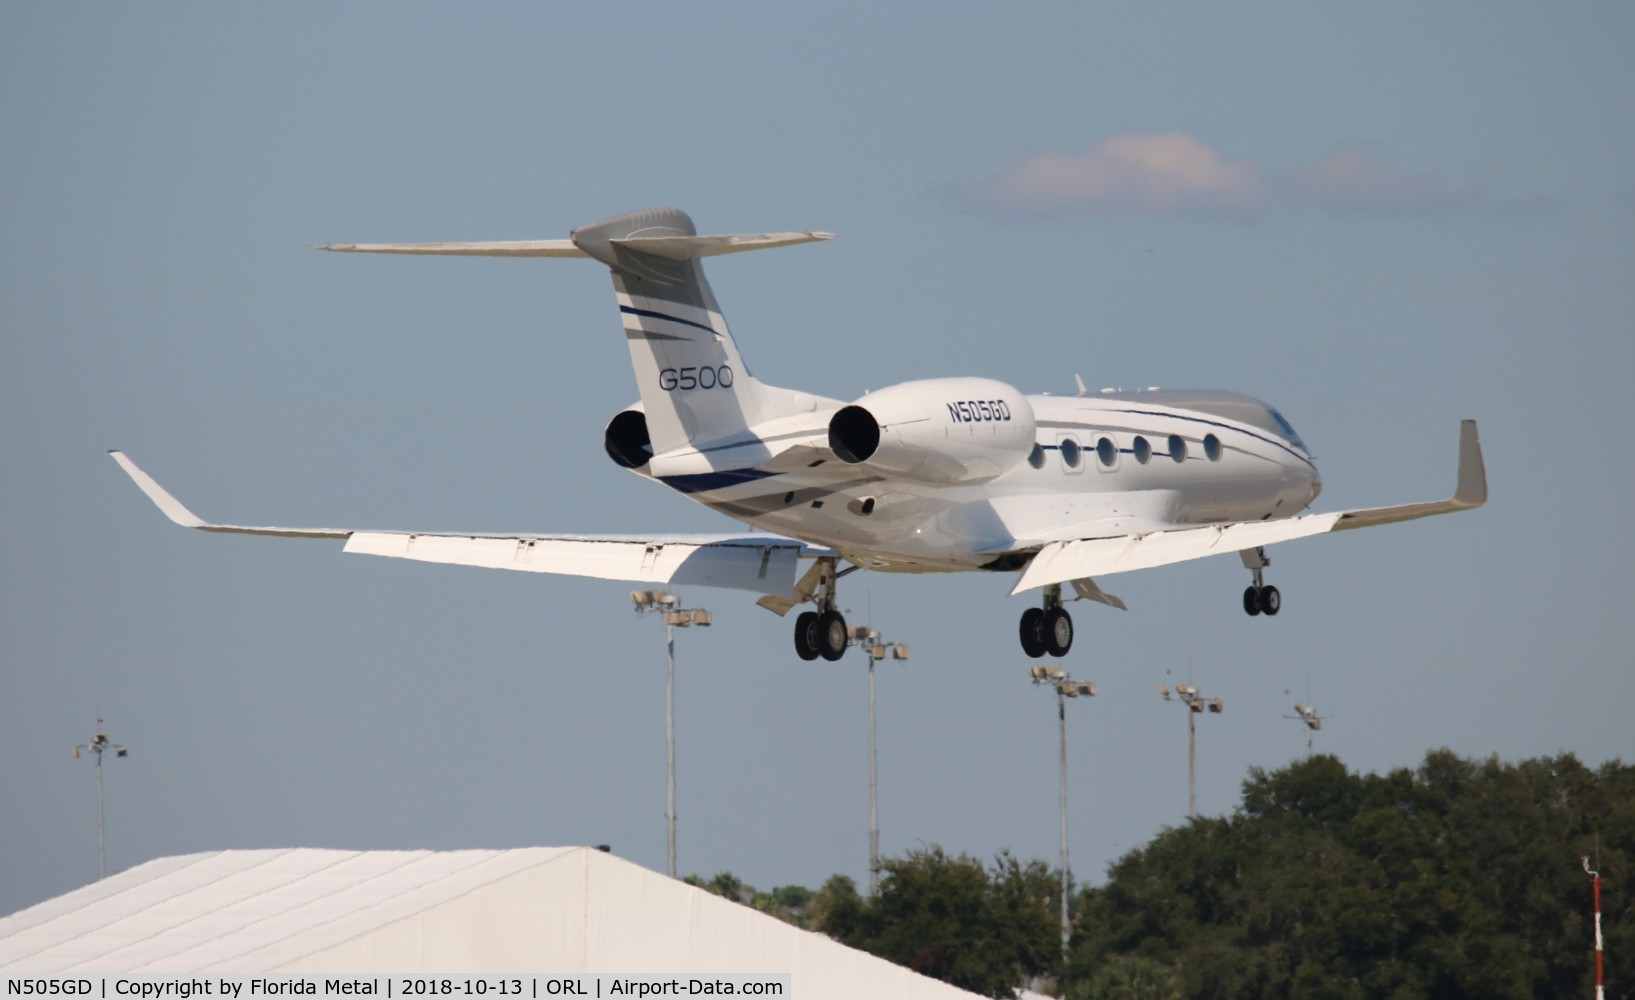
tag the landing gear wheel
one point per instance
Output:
(1251, 601)
(831, 635)
(1058, 631)
(1033, 632)
(806, 635)
(1270, 600)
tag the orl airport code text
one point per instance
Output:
(634, 987)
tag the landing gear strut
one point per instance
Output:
(822, 632)
(1261, 597)
(1048, 629)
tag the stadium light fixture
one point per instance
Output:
(675, 616)
(1066, 687)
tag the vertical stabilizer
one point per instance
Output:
(694, 386)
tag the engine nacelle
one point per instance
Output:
(941, 430)
(626, 439)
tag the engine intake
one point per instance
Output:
(952, 430)
(627, 441)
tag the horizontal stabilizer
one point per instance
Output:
(513, 248)
(671, 247)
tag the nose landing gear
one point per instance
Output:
(1260, 597)
(1048, 629)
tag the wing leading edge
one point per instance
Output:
(763, 564)
(1059, 562)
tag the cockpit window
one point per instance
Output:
(1288, 432)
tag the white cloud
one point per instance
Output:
(1176, 174)
(1157, 174)
(1349, 181)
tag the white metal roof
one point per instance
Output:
(540, 910)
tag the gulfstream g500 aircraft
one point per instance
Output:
(936, 475)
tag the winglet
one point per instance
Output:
(1472, 489)
(178, 512)
(172, 507)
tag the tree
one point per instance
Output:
(1459, 878)
(949, 918)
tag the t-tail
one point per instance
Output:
(693, 382)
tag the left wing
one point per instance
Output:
(1077, 559)
(763, 564)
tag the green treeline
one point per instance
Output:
(1461, 878)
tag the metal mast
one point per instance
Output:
(97, 745)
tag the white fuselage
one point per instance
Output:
(1106, 465)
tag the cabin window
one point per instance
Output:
(1177, 448)
(1070, 453)
(1142, 450)
(1107, 452)
(1212, 447)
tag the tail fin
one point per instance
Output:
(694, 385)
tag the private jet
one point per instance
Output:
(925, 476)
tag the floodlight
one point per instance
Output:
(681, 618)
(1185, 689)
(1037, 673)
(877, 652)
(1195, 705)
(638, 598)
(1088, 690)
(667, 599)
(701, 618)
(1216, 706)
(900, 651)
(1070, 690)
(1163, 689)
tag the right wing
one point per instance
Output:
(1075, 559)
(763, 564)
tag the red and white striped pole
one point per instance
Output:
(1595, 882)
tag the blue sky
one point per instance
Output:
(1382, 219)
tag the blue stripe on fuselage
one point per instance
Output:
(703, 482)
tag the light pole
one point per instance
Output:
(1188, 695)
(868, 638)
(1066, 688)
(674, 615)
(1308, 715)
(96, 747)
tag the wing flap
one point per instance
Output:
(1059, 562)
(764, 566)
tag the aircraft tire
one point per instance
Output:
(1033, 632)
(1058, 631)
(1271, 602)
(831, 635)
(1251, 602)
(806, 644)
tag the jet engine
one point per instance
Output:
(626, 439)
(945, 430)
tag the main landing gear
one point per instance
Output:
(822, 632)
(1260, 597)
(1048, 629)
